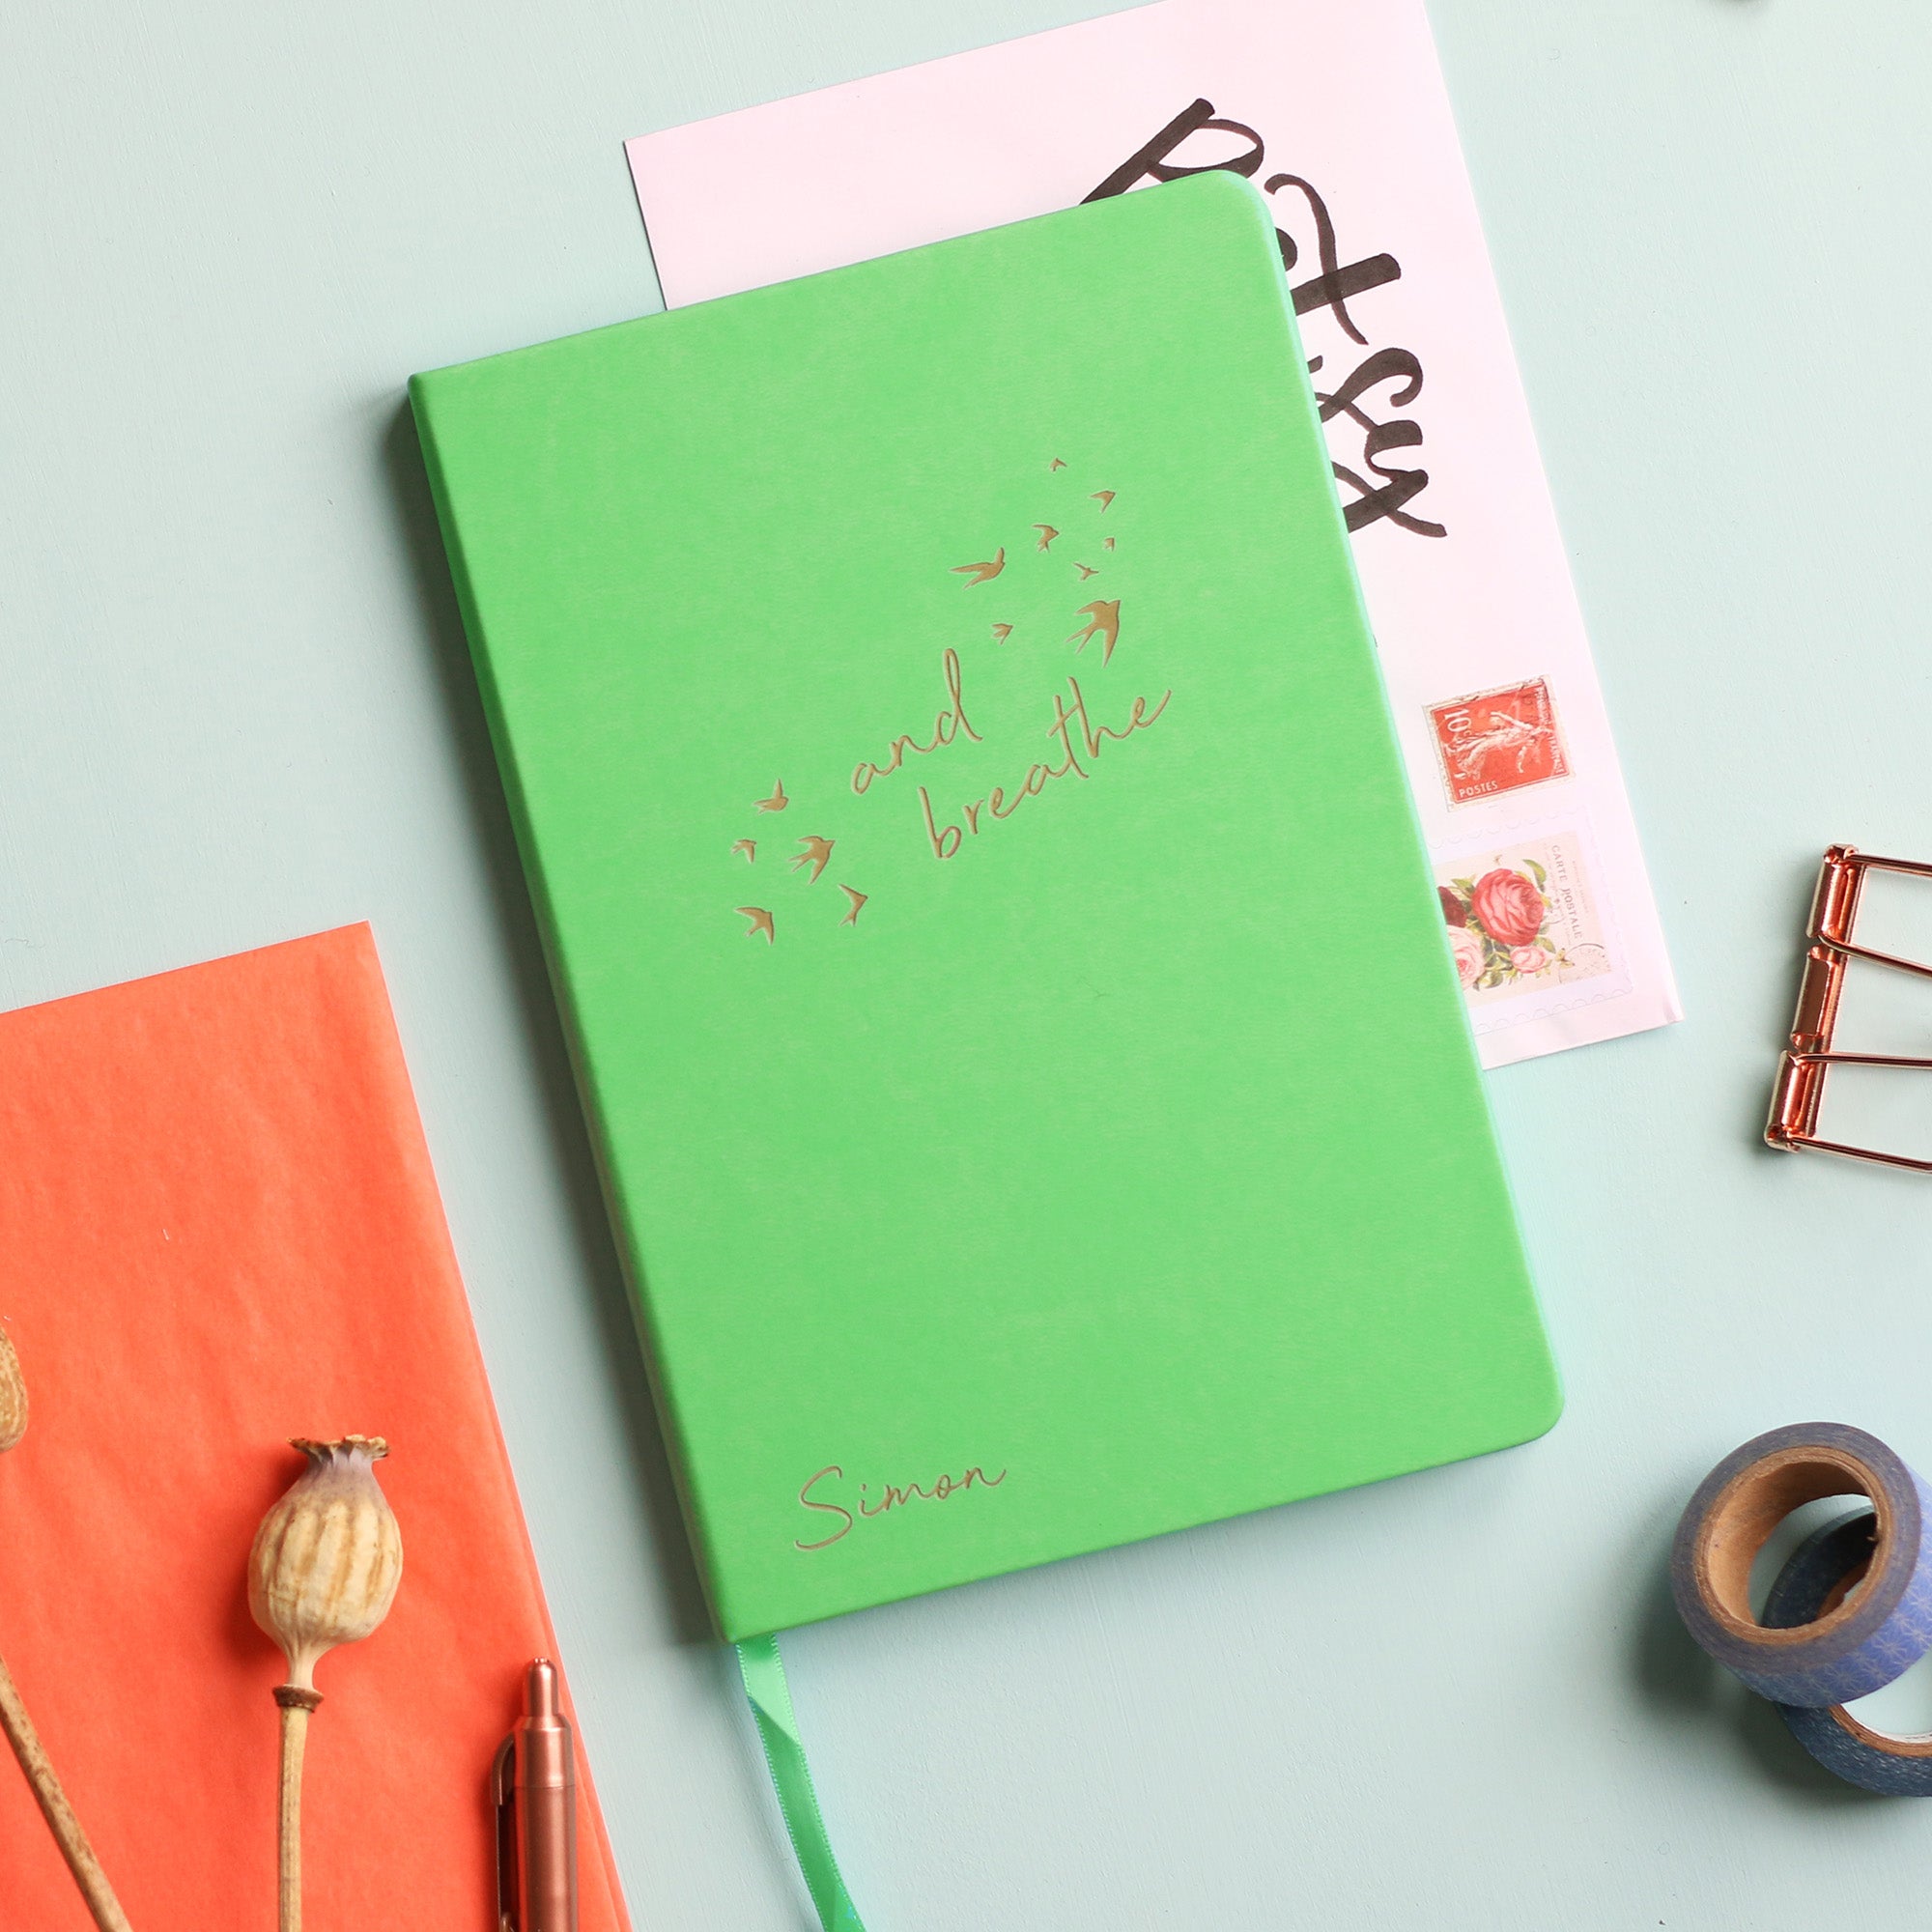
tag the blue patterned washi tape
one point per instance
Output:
(1817, 1575)
(1861, 1644)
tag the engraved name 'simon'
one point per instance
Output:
(890, 1496)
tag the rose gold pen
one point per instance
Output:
(534, 1786)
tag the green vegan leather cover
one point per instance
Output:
(1029, 1079)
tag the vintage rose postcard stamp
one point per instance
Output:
(1522, 919)
(1497, 741)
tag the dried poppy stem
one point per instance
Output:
(19, 1727)
(296, 1706)
(55, 1808)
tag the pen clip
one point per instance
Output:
(503, 1796)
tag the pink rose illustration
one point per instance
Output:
(1467, 951)
(1509, 906)
(1528, 959)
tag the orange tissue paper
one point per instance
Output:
(218, 1229)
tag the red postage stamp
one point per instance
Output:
(1497, 741)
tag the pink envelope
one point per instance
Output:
(1338, 114)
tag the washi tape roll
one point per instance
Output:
(1863, 1643)
(1821, 1572)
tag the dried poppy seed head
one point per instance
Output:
(13, 1396)
(327, 1558)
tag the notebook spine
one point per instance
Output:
(422, 402)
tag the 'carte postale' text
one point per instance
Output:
(891, 1496)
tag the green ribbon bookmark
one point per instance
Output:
(778, 1730)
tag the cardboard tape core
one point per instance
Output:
(1818, 1576)
(1752, 1506)
(1808, 1649)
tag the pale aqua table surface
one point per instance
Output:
(235, 706)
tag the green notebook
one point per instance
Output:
(1029, 1079)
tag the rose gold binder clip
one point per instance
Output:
(1828, 951)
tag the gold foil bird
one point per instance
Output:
(1104, 621)
(817, 852)
(982, 573)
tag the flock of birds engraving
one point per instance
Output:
(1102, 620)
(815, 854)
